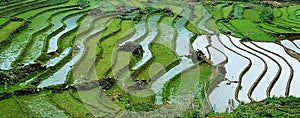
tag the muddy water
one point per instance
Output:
(140, 31)
(153, 32)
(71, 23)
(282, 82)
(290, 45)
(201, 43)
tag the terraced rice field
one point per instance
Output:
(119, 58)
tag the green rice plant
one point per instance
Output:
(273, 28)
(251, 30)
(162, 56)
(3, 21)
(227, 11)
(291, 10)
(217, 11)
(238, 11)
(252, 14)
(9, 28)
(72, 106)
(107, 44)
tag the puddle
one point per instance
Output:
(182, 49)
(55, 60)
(71, 23)
(183, 39)
(140, 31)
(158, 85)
(152, 27)
(8, 55)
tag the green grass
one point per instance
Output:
(227, 11)
(64, 100)
(198, 12)
(277, 12)
(127, 98)
(217, 11)
(251, 30)
(193, 28)
(211, 24)
(9, 28)
(163, 56)
(291, 12)
(203, 73)
(34, 12)
(3, 21)
(252, 14)
(116, 90)
(38, 105)
(93, 101)
(282, 107)
(227, 27)
(108, 45)
(273, 28)
(11, 108)
(238, 11)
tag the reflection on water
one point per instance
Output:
(70, 24)
(153, 32)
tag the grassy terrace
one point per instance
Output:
(271, 107)
(250, 29)
(3, 21)
(27, 28)
(7, 29)
(203, 73)
(162, 56)
(107, 44)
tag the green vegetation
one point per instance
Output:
(6, 30)
(271, 107)
(103, 83)
(109, 39)
(163, 56)
(251, 30)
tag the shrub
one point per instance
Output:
(266, 15)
